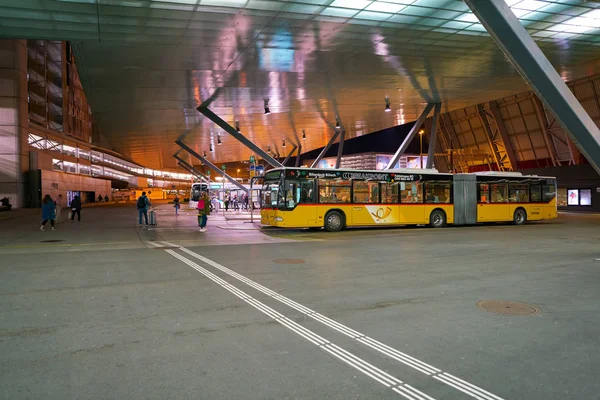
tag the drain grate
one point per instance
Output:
(51, 241)
(289, 261)
(508, 307)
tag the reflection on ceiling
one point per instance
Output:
(146, 65)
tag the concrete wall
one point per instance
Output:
(14, 149)
(55, 183)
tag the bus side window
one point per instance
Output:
(499, 193)
(307, 192)
(411, 192)
(484, 193)
(536, 193)
(548, 192)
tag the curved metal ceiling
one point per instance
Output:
(146, 65)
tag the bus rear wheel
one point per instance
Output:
(520, 217)
(437, 219)
(334, 221)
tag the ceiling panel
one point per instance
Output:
(146, 65)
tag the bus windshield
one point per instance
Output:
(270, 193)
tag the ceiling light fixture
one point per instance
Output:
(337, 123)
(267, 111)
(211, 149)
(283, 145)
(269, 149)
(204, 153)
(388, 108)
(303, 135)
(237, 126)
(219, 139)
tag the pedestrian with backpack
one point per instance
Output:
(143, 205)
(203, 211)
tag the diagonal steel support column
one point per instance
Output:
(241, 138)
(338, 161)
(320, 156)
(433, 135)
(210, 165)
(508, 146)
(182, 165)
(190, 168)
(410, 136)
(512, 38)
(289, 155)
(298, 155)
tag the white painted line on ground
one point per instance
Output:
(356, 362)
(397, 355)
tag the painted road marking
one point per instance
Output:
(459, 384)
(357, 363)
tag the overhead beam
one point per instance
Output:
(338, 161)
(414, 130)
(508, 146)
(512, 38)
(322, 153)
(190, 167)
(182, 165)
(210, 165)
(433, 135)
(238, 136)
(289, 155)
(298, 155)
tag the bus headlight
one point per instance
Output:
(278, 219)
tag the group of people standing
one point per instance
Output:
(235, 203)
(52, 210)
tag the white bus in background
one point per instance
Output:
(195, 192)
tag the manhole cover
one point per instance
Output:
(51, 241)
(508, 307)
(289, 261)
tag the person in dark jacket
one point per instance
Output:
(203, 211)
(76, 208)
(48, 211)
(143, 205)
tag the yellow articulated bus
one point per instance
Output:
(335, 199)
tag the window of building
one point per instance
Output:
(536, 192)
(334, 191)
(484, 193)
(585, 197)
(366, 192)
(518, 192)
(437, 191)
(499, 193)
(561, 197)
(579, 197)
(411, 192)
(389, 192)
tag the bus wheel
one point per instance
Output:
(520, 216)
(334, 221)
(437, 219)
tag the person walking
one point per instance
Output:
(143, 204)
(48, 212)
(176, 201)
(76, 208)
(99, 198)
(106, 198)
(59, 207)
(227, 202)
(203, 211)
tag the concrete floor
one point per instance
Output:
(114, 311)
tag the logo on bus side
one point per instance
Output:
(379, 214)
